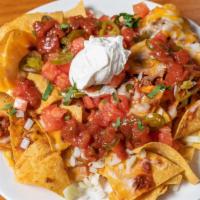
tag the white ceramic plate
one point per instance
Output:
(12, 190)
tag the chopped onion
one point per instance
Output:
(20, 104)
(5, 140)
(140, 75)
(72, 161)
(77, 152)
(172, 111)
(175, 90)
(129, 163)
(19, 114)
(42, 123)
(25, 143)
(114, 160)
(143, 154)
(194, 107)
(29, 123)
(192, 139)
(71, 192)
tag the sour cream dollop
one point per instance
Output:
(100, 60)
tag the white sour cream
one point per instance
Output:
(100, 60)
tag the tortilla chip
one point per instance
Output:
(154, 194)
(41, 167)
(190, 121)
(175, 180)
(171, 154)
(25, 22)
(9, 156)
(5, 147)
(16, 135)
(14, 49)
(76, 111)
(187, 153)
(79, 9)
(119, 177)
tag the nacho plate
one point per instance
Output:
(156, 192)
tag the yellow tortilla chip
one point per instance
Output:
(120, 179)
(25, 22)
(41, 167)
(41, 83)
(171, 154)
(154, 194)
(190, 121)
(187, 153)
(76, 111)
(79, 9)
(15, 48)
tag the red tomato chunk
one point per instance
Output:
(26, 89)
(53, 118)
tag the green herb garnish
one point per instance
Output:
(115, 97)
(64, 26)
(117, 123)
(129, 20)
(140, 125)
(70, 93)
(156, 90)
(47, 92)
(9, 108)
(129, 87)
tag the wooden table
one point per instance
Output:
(10, 9)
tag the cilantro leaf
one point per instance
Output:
(156, 90)
(140, 125)
(70, 93)
(115, 97)
(117, 123)
(129, 20)
(47, 92)
(64, 26)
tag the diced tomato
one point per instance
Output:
(119, 149)
(58, 74)
(109, 135)
(26, 90)
(62, 81)
(83, 139)
(123, 105)
(141, 9)
(116, 80)
(182, 57)
(104, 18)
(88, 102)
(175, 73)
(77, 45)
(53, 118)
(128, 35)
(165, 136)
(70, 131)
(140, 137)
(50, 71)
(4, 126)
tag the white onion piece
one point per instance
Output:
(20, 104)
(20, 114)
(114, 160)
(140, 75)
(129, 163)
(29, 123)
(5, 140)
(192, 139)
(143, 154)
(25, 143)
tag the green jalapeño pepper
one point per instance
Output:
(112, 31)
